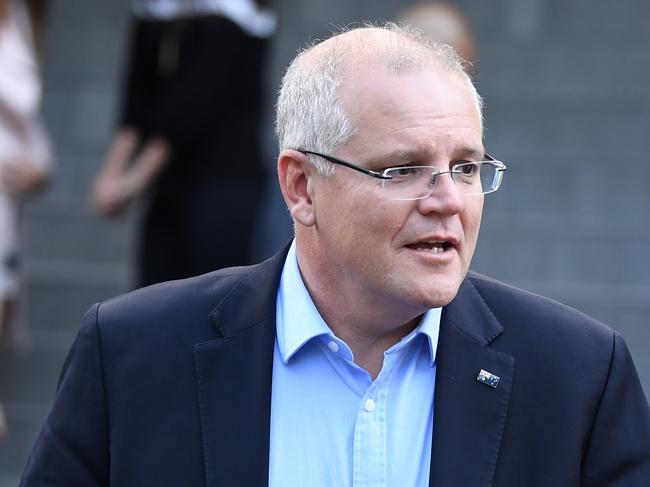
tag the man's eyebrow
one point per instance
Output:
(472, 153)
(395, 157)
(404, 156)
(399, 157)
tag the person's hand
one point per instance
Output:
(119, 183)
(110, 195)
(20, 178)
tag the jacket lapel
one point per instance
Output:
(233, 375)
(469, 416)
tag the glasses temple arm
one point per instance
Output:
(334, 160)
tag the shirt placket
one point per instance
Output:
(369, 467)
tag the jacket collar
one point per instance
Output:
(258, 289)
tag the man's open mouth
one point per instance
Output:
(433, 246)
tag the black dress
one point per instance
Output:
(197, 82)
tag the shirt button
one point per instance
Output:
(369, 405)
(333, 346)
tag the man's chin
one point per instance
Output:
(436, 296)
(441, 291)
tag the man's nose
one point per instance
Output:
(445, 198)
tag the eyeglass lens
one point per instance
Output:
(413, 182)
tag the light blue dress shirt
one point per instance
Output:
(331, 424)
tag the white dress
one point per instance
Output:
(22, 136)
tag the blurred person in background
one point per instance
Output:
(188, 136)
(445, 23)
(25, 155)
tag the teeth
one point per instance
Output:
(437, 249)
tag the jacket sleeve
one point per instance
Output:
(618, 452)
(72, 447)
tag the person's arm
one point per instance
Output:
(121, 150)
(121, 177)
(20, 178)
(105, 187)
(618, 451)
(120, 182)
(73, 447)
(29, 168)
(20, 86)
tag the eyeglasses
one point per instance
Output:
(418, 182)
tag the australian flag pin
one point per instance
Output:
(488, 378)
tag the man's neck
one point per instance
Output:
(369, 325)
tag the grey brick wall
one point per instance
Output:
(568, 108)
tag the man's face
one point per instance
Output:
(408, 253)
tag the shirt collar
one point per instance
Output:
(430, 328)
(298, 320)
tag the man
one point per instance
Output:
(365, 354)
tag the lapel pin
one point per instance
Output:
(488, 378)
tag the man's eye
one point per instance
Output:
(406, 171)
(466, 169)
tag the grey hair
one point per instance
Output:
(309, 114)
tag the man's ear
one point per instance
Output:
(296, 175)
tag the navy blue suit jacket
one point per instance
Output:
(171, 386)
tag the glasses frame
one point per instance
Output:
(382, 176)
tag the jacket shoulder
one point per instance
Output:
(538, 320)
(188, 300)
(193, 308)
